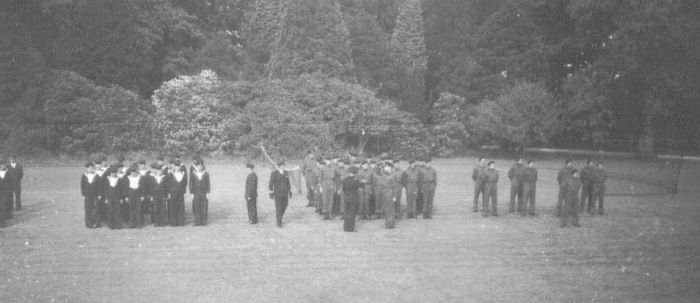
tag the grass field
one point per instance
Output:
(645, 249)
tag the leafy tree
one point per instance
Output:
(261, 28)
(448, 129)
(313, 38)
(523, 115)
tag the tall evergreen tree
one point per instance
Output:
(408, 39)
(313, 39)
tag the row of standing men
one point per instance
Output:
(10, 188)
(588, 184)
(369, 188)
(118, 195)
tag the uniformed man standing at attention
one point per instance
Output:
(491, 191)
(428, 184)
(329, 179)
(587, 185)
(397, 176)
(564, 173)
(251, 194)
(515, 175)
(280, 190)
(385, 194)
(351, 189)
(599, 178)
(366, 174)
(570, 207)
(529, 188)
(479, 177)
(411, 179)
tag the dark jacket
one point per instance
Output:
(199, 186)
(91, 190)
(16, 174)
(351, 186)
(279, 183)
(176, 188)
(251, 186)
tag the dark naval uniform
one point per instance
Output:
(281, 191)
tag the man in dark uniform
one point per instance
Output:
(570, 207)
(351, 189)
(564, 173)
(490, 190)
(529, 188)
(428, 184)
(515, 175)
(90, 190)
(5, 194)
(200, 187)
(599, 178)
(251, 194)
(479, 177)
(280, 191)
(587, 185)
(16, 173)
(113, 192)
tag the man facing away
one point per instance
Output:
(491, 191)
(280, 190)
(529, 189)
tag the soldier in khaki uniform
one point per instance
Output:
(587, 185)
(515, 175)
(479, 177)
(529, 188)
(491, 191)
(385, 194)
(397, 176)
(599, 178)
(570, 207)
(428, 184)
(329, 180)
(366, 174)
(564, 173)
(411, 179)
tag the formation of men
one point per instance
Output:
(11, 175)
(578, 190)
(369, 188)
(119, 195)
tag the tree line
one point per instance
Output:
(406, 76)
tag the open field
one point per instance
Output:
(645, 249)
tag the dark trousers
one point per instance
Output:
(599, 195)
(397, 209)
(252, 205)
(478, 190)
(281, 202)
(17, 191)
(560, 200)
(490, 196)
(586, 195)
(349, 215)
(92, 216)
(114, 214)
(135, 212)
(201, 210)
(6, 198)
(102, 209)
(3, 216)
(428, 193)
(176, 210)
(570, 207)
(516, 192)
(529, 190)
(159, 213)
(386, 197)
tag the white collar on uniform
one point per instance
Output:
(90, 177)
(13, 165)
(159, 178)
(134, 182)
(199, 174)
(2, 173)
(113, 181)
(178, 176)
(143, 172)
